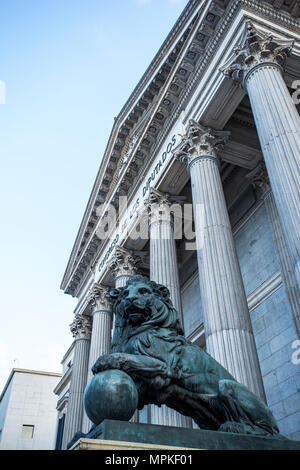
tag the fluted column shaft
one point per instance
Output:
(260, 61)
(228, 330)
(81, 329)
(164, 270)
(163, 264)
(101, 335)
(121, 280)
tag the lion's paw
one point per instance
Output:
(232, 426)
(105, 362)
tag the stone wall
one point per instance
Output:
(256, 251)
(3, 408)
(274, 334)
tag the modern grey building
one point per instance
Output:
(28, 410)
(213, 126)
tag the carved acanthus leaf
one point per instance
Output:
(81, 326)
(256, 47)
(200, 141)
(98, 296)
(259, 178)
(124, 262)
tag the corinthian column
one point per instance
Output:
(260, 181)
(101, 331)
(228, 330)
(102, 323)
(257, 64)
(164, 270)
(81, 330)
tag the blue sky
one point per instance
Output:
(68, 66)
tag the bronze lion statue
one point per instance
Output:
(148, 344)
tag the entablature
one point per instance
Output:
(165, 90)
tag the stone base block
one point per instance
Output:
(99, 444)
(113, 434)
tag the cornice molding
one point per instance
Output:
(66, 378)
(197, 333)
(233, 8)
(63, 402)
(265, 290)
(97, 191)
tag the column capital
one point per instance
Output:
(99, 297)
(256, 49)
(124, 262)
(159, 206)
(259, 179)
(158, 197)
(200, 142)
(81, 327)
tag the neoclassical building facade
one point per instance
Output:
(213, 128)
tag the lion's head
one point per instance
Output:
(142, 304)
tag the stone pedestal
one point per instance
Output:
(92, 444)
(112, 435)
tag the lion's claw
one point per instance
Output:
(105, 362)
